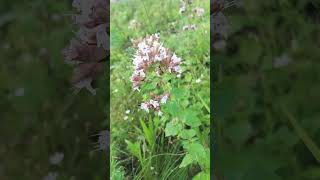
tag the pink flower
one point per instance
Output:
(198, 11)
(89, 49)
(82, 51)
(145, 106)
(154, 103)
(149, 52)
(164, 99)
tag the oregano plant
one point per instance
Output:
(157, 76)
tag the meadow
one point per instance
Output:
(171, 142)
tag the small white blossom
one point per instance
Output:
(198, 80)
(128, 111)
(136, 89)
(199, 11)
(189, 27)
(154, 103)
(144, 106)
(177, 69)
(175, 59)
(133, 24)
(164, 99)
(125, 118)
(281, 61)
(182, 7)
(56, 158)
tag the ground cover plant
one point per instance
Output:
(266, 92)
(160, 95)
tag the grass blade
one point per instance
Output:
(311, 145)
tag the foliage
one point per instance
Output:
(266, 92)
(40, 115)
(175, 143)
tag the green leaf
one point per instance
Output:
(172, 108)
(202, 176)
(179, 93)
(172, 129)
(187, 133)
(149, 86)
(186, 161)
(134, 149)
(197, 151)
(191, 118)
(148, 132)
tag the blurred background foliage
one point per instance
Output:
(39, 113)
(266, 92)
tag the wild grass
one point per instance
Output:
(141, 148)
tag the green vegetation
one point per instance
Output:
(39, 113)
(267, 92)
(174, 144)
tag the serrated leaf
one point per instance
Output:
(191, 118)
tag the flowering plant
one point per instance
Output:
(156, 75)
(152, 62)
(87, 52)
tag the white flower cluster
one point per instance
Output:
(189, 27)
(154, 103)
(150, 51)
(195, 12)
(183, 5)
(198, 11)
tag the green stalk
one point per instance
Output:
(204, 103)
(311, 145)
